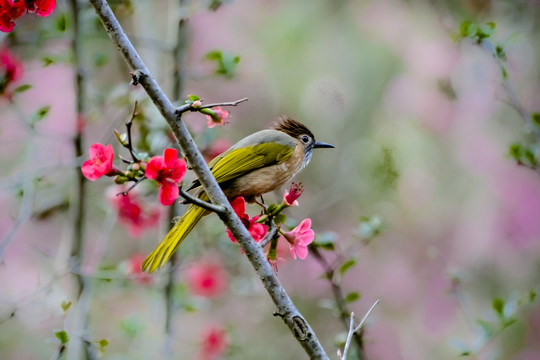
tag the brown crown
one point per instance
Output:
(292, 127)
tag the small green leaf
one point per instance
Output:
(508, 322)
(532, 296)
(65, 305)
(498, 306)
(121, 138)
(279, 219)
(103, 344)
(61, 23)
(193, 97)
(489, 328)
(62, 336)
(352, 297)
(326, 241)
(499, 51)
(22, 88)
(347, 265)
(271, 208)
(530, 157)
(535, 117)
(39, 115)
(516, 151)
(47, 60)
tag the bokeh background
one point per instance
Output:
(422, 126)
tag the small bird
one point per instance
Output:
(256, 165)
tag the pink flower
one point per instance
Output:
(11, 70)
(256, 230)
(100, 163)
(294, 193)
(207, 279)
(214, 342)
(299, 238)
(218, 118)
(131, 212)
(12, 10)
(168, 171)
(134, 269)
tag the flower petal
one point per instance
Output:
(153, 167)
(170, 156)
(168, 193)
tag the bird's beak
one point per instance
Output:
(319, 144)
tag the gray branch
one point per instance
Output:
(286, 309)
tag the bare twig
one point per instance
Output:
(188, 107)
(137, 182)
(298, 326)
(271, 233)
(128, 129)
(218, 209)
(356, 329)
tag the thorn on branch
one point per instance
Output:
(136, 77)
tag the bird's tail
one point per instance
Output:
(174, 238)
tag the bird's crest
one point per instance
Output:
(292, 127)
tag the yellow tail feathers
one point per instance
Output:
(174, 238)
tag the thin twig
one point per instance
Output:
(137, 182)
(294, 320)
(356, 329)
(220, 210)
(128, 129)
(189, 107)
(271, 233)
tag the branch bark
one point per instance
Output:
(286, 309)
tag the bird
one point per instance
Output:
(257, 164)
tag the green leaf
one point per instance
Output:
(326, 241)
(352, 297)
(61, 23)
(193, 97)
(280, 219)
(516, 151)
(103, 344)
(226, 62)
(47, 60)
(530, 157)
(498, 306)
(535, 117)
(62, 336)
(347, 265)
(39, 115)
(65, 305)
(532, 296)
(22, 88)
(121, 138)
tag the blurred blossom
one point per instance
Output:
(134, 269)
(12, 10)
(100, 163)
(132, 213)
(299, 238)
(256, 230)
(11, 70)
(214, 343)
(207, 278)
(168, 171)
(216, 148)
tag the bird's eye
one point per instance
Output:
(304, 138)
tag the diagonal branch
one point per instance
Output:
(286, 309)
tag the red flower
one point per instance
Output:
(218, 118)
(299, 238)
(131, 213)
(214, 342)
(134, 269)
(207, 279)
(294, 193)
(168, 171)
(100, 163)
(12, 10)
(11, 70)
(256, 230)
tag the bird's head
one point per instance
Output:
(302, 134)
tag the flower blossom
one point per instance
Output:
(168, 171)
(100, 163)
(299, 238)
(214, 343)
(132, 214)
(218, 118)
(12, 10)
(11, 70)
(207, 279)
(134, 269)
(294, 193)
(256, 230)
